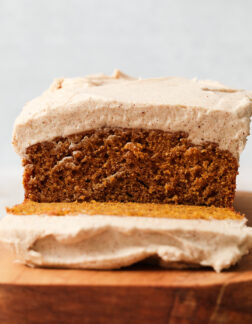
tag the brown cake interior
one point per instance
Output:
(29, 207)
(130, 165)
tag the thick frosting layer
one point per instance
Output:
(110, 242)
(206, 110)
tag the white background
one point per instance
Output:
(44, 39)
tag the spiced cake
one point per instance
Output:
(119, 170)
(163, 140)
(98, 235)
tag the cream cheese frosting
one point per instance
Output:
(207, 110)
(110, 242)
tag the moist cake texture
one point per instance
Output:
(130, 165)
(116, 170)
(29, 207)
(164, 140)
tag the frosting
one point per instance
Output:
(110, 242)
(206, 110)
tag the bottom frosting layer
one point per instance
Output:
(111, 242)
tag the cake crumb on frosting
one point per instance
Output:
(125, 209)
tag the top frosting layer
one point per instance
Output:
(207, 110)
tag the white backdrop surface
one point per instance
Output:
(44, 39)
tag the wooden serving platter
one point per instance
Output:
(138, 294)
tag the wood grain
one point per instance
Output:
(138, 294)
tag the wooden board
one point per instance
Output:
(139, 294)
